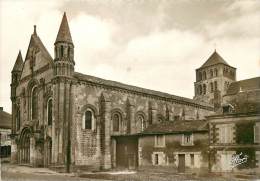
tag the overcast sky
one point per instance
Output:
(148, 43)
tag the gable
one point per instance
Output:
(37, 58)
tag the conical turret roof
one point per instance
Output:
(18, 66)
(64, 31)
(214, 59)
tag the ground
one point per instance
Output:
(13, 172)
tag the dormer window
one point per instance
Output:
(187, 139)
(227, 109)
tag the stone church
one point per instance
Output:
(68, 120)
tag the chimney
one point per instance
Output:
(1, 109)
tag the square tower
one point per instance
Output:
(213, 79)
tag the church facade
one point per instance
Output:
(67, 120)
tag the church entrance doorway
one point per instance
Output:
(25, 146)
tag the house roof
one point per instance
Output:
(18, 66)
(244, 85)
(5, 120)
(64, 31)
(177, 127)
(214, 59)
(111, 83)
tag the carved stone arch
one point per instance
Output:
(24, 145)
(90, 106)
(92, 113)
(32, 83)
(140, 126)
(118, 110)
(121, 123)
(142, 114)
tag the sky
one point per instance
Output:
(155, 44)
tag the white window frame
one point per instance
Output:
(225, 133)
(93, 125)
(156, 143)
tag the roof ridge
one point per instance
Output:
(137, 89)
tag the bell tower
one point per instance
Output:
(64, 50)
(213, 79)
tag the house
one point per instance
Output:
(5, 131)
(181, 144)
(235, 133)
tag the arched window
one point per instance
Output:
(211, 73)
(204, 89)
(49, 112)
(204, 75)
(88, 120)
(68, 52)
(211, 87)
(18, 119)
(200, 76)
(216, 72)
(216, 85)
(61, 51)
(56, 53)
(141, 122)
(116, 118)
(200, 89)
(34, 103)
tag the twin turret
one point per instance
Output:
(64, 51)
(16, 74)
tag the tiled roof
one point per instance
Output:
(177, 127)
(244, 85)
(110, 83)
(5, 120)
(64, 31)
(214, 59)
(18, 66)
